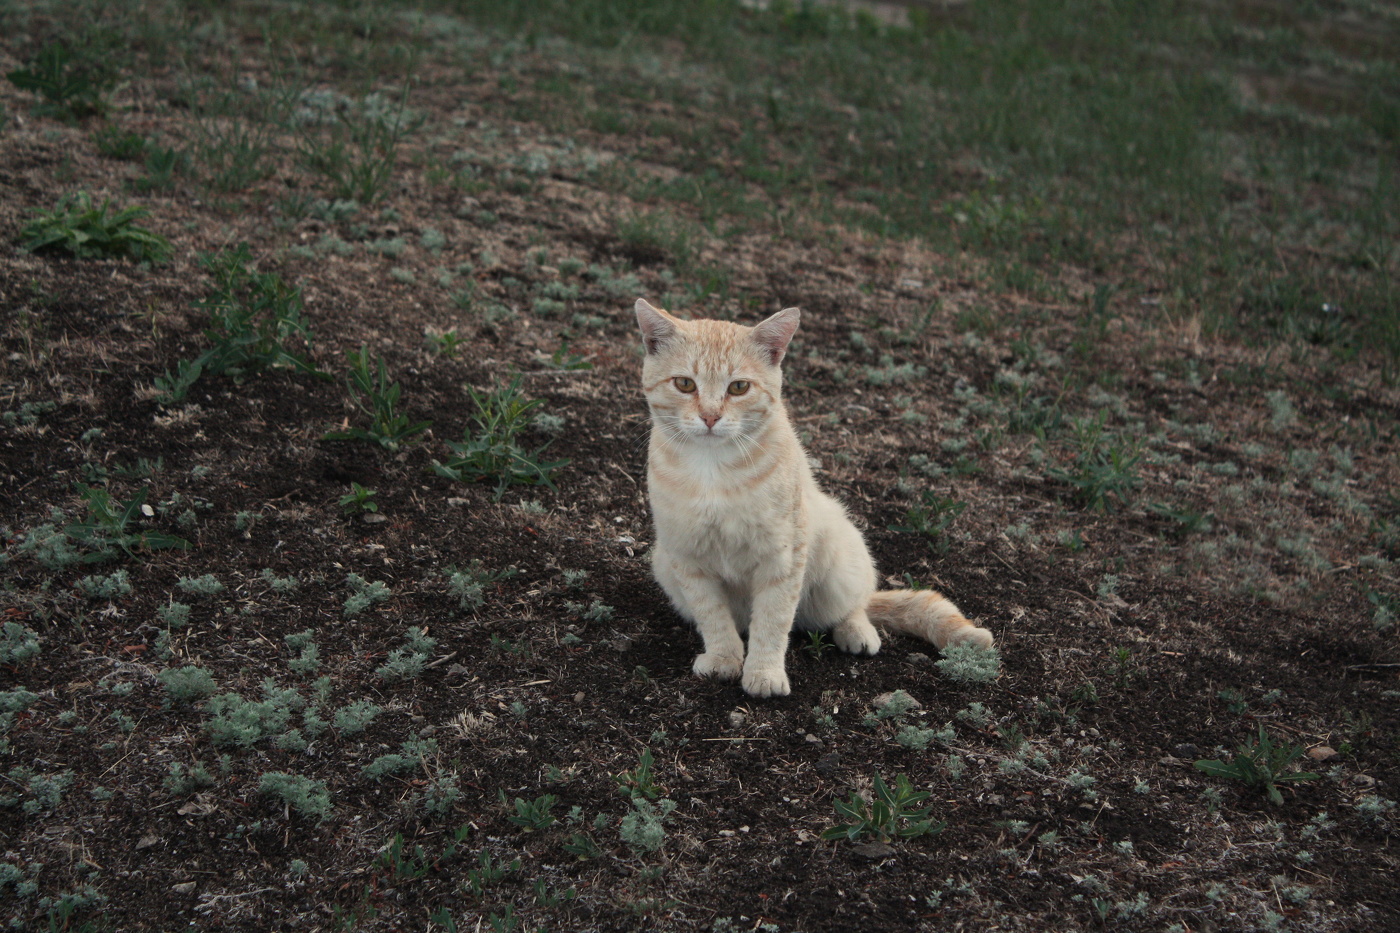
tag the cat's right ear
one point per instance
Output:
(657, 326)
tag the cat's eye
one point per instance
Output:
(738, 387)
(684, 383)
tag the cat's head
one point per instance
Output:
(713, 381)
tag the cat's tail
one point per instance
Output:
(927, 615)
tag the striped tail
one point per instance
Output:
(927, 615)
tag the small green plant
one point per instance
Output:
(469, 585)
(492, 452)
(639, 781)
(534, 814)
(1104, 466)
(890, 706)
(488, 873)
(174, 615)
(818, 644)
(162, 165)
(308, 797)
(1261, 764)
(111, 586)
(183, 781)
(187, 684)
(109, 525)
(1183, 521)
(356, 717)
(255, 320)
(410, 660)
(240, 723)
(564, 359)
(44, 792)
(206, 585)
(643, 829)
(363, 594)
(358, 499)
(387, 764)
(116, 144)
(308, 659)
(548, 899)
(17, 643)
(376, 397)
(917, 739)
(891, 815)
(1387, 609)
(402, 864)
(71, 88)
(970, 663)
(582, 847)
(596, 611)
(933, 519)
(1375, 809)
(976, 715)
(77, 227)
(1235, 701)
(235, 129)
(446, 344)
(172, 388)
(441, 795)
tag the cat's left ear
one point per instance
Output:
(774, 334)
(657, 326)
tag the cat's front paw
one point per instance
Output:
(766, 682)
(719, 666)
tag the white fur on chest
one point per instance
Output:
(729, 530)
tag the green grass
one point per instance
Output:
(1030, 134)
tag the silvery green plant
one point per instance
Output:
(305, 795)
(363, 594)
(187, 684)
(408, 661)
(643, 829)
(970, 663)
(17, 643)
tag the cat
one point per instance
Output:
(746, 543)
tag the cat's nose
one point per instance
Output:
(710, 420)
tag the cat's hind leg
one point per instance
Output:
(855, 635)
(839, 582)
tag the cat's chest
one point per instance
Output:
(723, 522)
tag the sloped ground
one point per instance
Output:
(1178, 540)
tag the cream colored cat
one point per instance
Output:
(745, 541)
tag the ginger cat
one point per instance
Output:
(745, 541)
